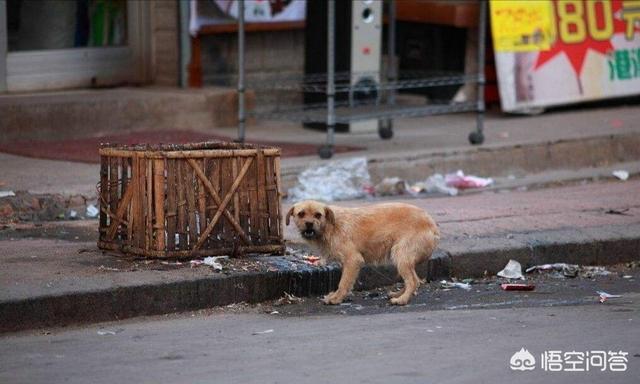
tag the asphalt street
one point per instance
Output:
(445, 336)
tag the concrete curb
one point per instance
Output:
(456, 257)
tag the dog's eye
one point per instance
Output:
(301, 214)
(318, 216)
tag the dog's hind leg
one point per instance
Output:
(406, 271)
(418, 280)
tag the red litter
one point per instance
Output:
(313, 260)
(518, 287)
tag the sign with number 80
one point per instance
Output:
(573, 26)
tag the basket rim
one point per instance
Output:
(212, 145)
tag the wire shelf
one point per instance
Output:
(316, 83)
(345, 113)
(319, 90)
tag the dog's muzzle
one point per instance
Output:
(308, 232)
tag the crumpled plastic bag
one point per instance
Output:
(461, 181)
(92, 211)
(621, 174)
(336, 180)
(513, 270)
(434, 184)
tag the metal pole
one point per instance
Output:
(185, 43)
(481, 78)
(391, 47)
(3, 45)
(241, 114)
(331, 118)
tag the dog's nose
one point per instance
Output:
(309, 225)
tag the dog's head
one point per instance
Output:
(311, 218)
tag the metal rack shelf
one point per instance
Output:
(316, 83)
(345, 113)
(383, 107)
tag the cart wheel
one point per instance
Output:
(385, 129)
(476, 138)
(325, 152)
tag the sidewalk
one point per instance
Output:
(54, 275)
(572, 139)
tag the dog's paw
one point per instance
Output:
(394, 294)
(399, 301)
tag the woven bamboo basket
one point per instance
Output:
(183, 201)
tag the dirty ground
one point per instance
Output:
(550, 291)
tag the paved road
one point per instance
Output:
(366, 341)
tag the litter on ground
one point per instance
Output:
(336, 180)
(461, 181)
(213, 262)
(287, 298)
(176, 263)
(621, 174)
(391, 186)
(263, 332)
(92, 211)
(447, 284)
(517, 287)
(568, 270)
(350, 179)
(604, 296)
(571, 270)
(513, 270)
(617, 212)
(311, 259)
(434, 184)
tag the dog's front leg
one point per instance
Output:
(350, 269)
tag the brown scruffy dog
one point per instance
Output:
(400, 233)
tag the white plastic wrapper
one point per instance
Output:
(434, 184)
(336, 180)
(92, 211)
(513, 270)
(621, 174)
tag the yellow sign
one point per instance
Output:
(521, 26)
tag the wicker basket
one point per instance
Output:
(183, 201)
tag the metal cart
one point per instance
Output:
(383, 107)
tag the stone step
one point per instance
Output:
(77, 113)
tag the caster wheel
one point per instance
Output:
(476, 138)
(385, 129)
(325, 152)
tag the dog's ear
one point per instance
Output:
(289, 215)
(328, 213)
